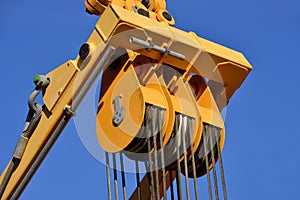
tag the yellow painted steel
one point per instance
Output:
(199, 86)
(154, 9)
(203, 58)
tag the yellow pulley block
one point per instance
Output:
(121, 110)
(187, 78)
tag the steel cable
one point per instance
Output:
(149, 166)
(138, 184)
(189, 130)
(154, 130)
(178, 178)
(207, 161)
(211, 140)
(115, 177)
(183, 135)
(217, 133)
(108, 176)
(123, 176)
(160, 120)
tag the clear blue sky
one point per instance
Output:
(261, 154)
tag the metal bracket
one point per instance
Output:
(119, 112)
(69, 112)
(150, 45)
(167, 51)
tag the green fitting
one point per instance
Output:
(41, 79)
(36, 79)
